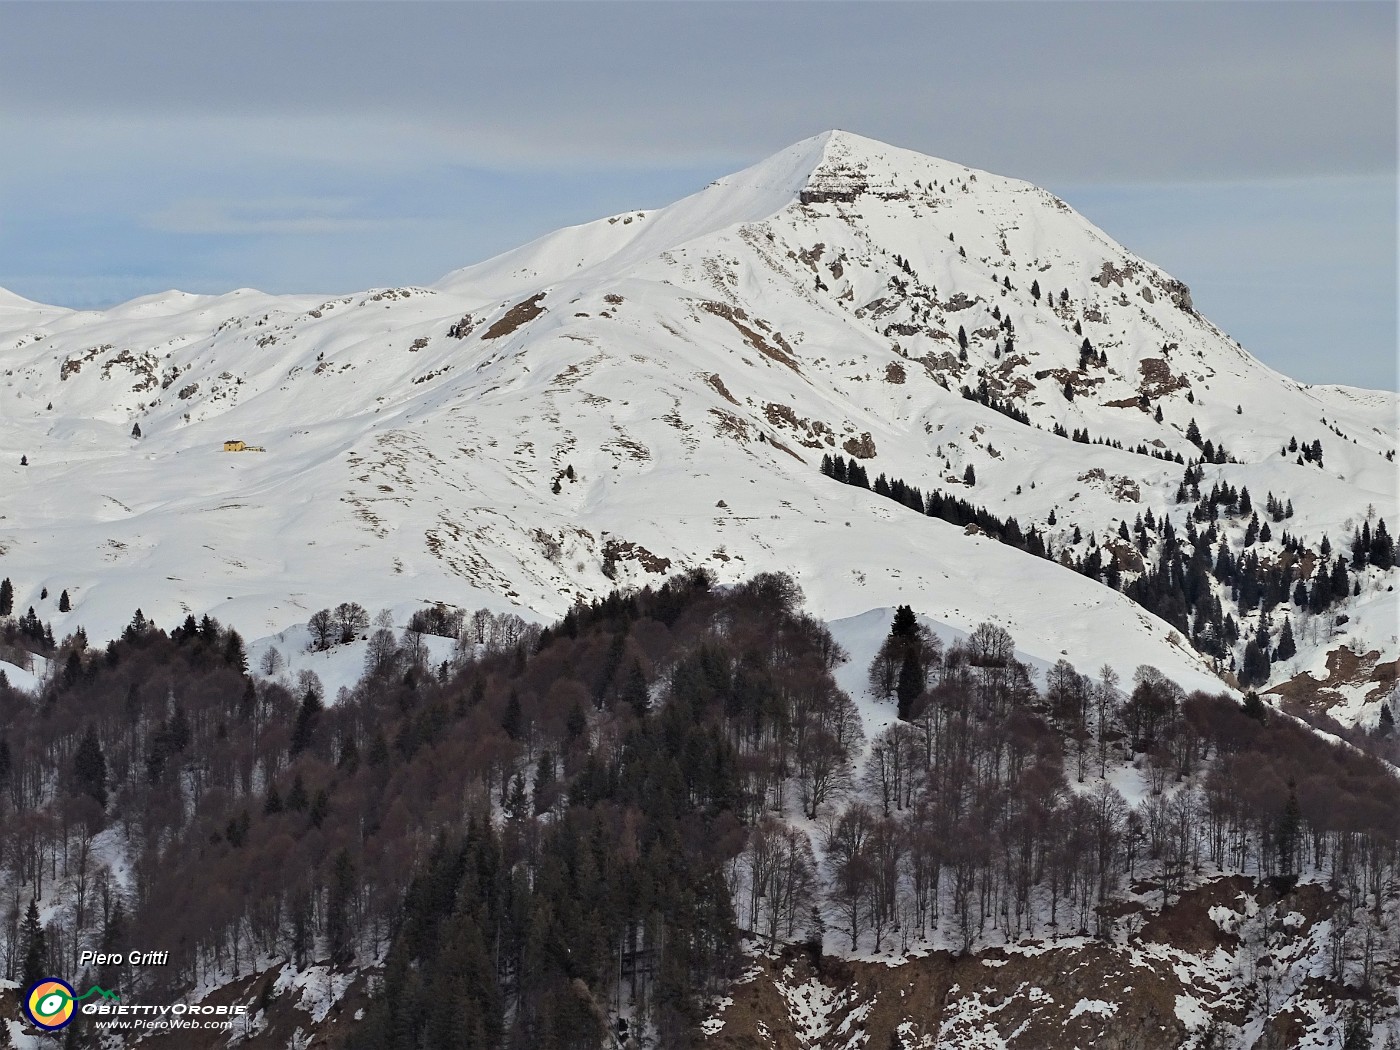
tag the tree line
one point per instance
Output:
(1194, 580)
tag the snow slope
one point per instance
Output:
(677, 375)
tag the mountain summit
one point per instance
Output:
(1109, 474)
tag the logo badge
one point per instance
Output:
(49, 1004)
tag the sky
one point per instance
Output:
(1248, 148)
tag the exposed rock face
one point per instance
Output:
(862, 447)
(1176, 978)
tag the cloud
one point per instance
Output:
(1041, 91)
(306, 216)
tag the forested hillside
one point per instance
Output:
(585, 835)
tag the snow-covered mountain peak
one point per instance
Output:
(832, 166)
(658, 389)
(13, 306)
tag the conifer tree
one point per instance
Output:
(910, 685)
(296, 797)
(905, 623)
(1289, 835)
(307, 716)
(1382, 554)
(340, 901)
(1254, 670)
(90, 768)
(7, 597)
(64, 604)
(234, 655)
(513, 721)
(545, 777)
(36, 951)
(1340, 584)
(634, 690)
(1361, 544)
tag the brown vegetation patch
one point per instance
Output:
(779, 415)
(1008, 382)
(568, 377)
(1344, 668)
(520, 314)
(901, 328)
(1121, 488)
(1187, 925)
(738, 318)
(74, 364)
(876, 307)
(615, 551)
(783, 448)
(861, 448)
(934, 364)
(757, 1016)
(811, 256)
(810, 431)
(1011, 362)
(1157, 378)
(634, 449)
(717, 385)
(1125, 556)
(286, 1023)
(146, 366)
(951, 1000)
(730, 425)
(1284, 1031)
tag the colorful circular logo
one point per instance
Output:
(49, 1004)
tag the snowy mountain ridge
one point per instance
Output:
(657, 390)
